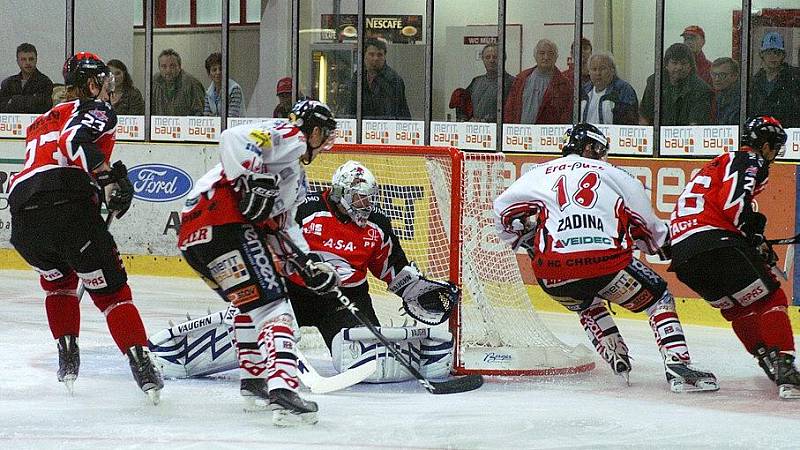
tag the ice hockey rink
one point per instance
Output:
(592, 410)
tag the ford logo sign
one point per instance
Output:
(159, 182)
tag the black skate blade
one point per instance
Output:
(456, 385)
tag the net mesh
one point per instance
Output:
(498, 330)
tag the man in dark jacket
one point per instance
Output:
(775, 89)
(685, 98)
(606, 98)
(383, 93)
(29, 91)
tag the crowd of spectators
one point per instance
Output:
(694, 90)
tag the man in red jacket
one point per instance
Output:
(541, 94)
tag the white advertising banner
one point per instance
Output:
(14, 125)
(346, 131)
(236, 121)
(792, 144)
(130, 128)
(628, 140)
(393, 132)
(189, 129)
(464, 135)
(706, 140)
(533, 138)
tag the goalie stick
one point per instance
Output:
(463, 384)
(308, 375)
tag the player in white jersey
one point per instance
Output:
(580, 218)
(228, 236)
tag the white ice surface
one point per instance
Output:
(594, 410)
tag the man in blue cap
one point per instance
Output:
(776, 86)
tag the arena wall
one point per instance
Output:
(164, 173)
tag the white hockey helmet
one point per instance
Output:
(355, 188)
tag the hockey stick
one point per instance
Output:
(307, 374)
(785, 241)
(463, 384)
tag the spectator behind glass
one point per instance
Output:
(586, 52)
(606, 98)
(483, 88)
(541, 94)
(775, 89)
(695, 38)
(284, 93)
(127, 100)
(175, 92)
(29, 91)
(383, 92)
(211, 106)
(685, 98)
(725, 82)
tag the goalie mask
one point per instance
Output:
(356, 190)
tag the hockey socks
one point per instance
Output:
(604, 334)
(763, 323)
(122, 317)
(62, 305)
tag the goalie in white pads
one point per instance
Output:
(343, 228)
(225, 236)
(579, 218)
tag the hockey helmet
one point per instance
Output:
(307, 114)
(82, 66)
(576, 138)
(356, 190)
(764, 129)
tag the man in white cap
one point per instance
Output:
(776, 86)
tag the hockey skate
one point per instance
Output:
(255, 394)
(69, 361)
(289, 409)
(682, 377)
(780, 368)
(145, 373)
(616, 354)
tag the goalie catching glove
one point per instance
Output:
(117, 188)
(427, 301)
(259, 192)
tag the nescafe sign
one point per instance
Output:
(159, 182)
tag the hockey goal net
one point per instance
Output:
(440, 203)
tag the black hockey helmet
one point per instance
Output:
(81, 67)
(763, 129)
(576, 138)
(307, 114)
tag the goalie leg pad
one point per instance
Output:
(430, 350)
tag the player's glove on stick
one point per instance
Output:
(319, 276)
(259, 192)
(427, 301)
(117, 188)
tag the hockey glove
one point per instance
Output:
(259, 192)
(524, 227)
(753, 227)
(117, 188)
(319, 276)
(427, 301)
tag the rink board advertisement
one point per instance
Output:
(162, 175)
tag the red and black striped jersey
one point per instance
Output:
(351, 249)
(62, 147)
(718, 199)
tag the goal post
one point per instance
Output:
(439, 201)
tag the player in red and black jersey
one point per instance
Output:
(719, 250)
(56, 223)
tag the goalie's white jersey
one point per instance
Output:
(587, 214)
(271, 146)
